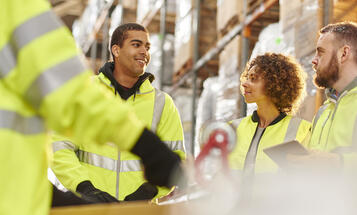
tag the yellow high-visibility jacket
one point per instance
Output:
(335, 125)
(283, 129)
(112, 171)
(43, 85)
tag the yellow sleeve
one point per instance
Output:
(66, 165)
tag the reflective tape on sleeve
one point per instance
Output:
(21, 124)
(26, 32)
(34, 28)
(53, 78)
(7, 60)
(175, 145)
(60, 145)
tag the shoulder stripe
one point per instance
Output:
(292, 130)
(158, 109)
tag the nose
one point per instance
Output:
(245, 83)
(314, 61)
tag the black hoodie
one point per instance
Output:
(124, 92)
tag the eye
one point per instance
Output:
(136, 45)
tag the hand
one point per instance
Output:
(162, 167)
(90, 193)
(146, 191)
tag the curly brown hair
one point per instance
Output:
(284, 80)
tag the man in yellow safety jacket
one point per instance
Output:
(334, 132)
(78, 164)
(43, 85)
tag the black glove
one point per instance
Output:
(161, 165)
(146, 191)
(60, 198)
(92, 194)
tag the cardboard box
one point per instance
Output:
(183, 41)
(290, 12)
(306, 29)
(229, 58)
(226, 11)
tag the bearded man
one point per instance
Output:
(333, 139)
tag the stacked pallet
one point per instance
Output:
(184, 41)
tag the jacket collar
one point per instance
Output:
(255, 118)
(142, 86)
(332, 94)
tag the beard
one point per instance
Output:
(326, 77)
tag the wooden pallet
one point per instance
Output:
(182, 71)
(228, 26)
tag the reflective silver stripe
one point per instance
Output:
(108, 163)
(175, 145)
(34, 28)
(236, 123)
(7, 60)
(292, 130)
(158, 109)
(24, 34)
(53, 78)
(59, 145)
(21, 124)
(318, 115)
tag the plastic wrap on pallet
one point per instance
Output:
(227, 98)
(183, 31)
(83, 27)
(183, 7)
(183, 42)
(271, 40)
(206, 107)
(229, 58)
(116, 19)
(306, 34)
(144, 7)
(154, 66)
(183, 102)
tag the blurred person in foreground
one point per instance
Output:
(276, 83)
(44, 85)
(88, 168)
(333, 140)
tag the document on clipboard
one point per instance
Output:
(279, 152)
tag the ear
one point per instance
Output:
(115, 50)
(345, 53)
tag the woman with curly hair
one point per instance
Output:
(276, 83)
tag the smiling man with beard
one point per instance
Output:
(97, 171)
(334, 134)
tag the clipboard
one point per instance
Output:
(279, 152)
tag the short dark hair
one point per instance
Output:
(345, 32)
(120, 34)
(284, 79)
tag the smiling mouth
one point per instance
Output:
(141, 62)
